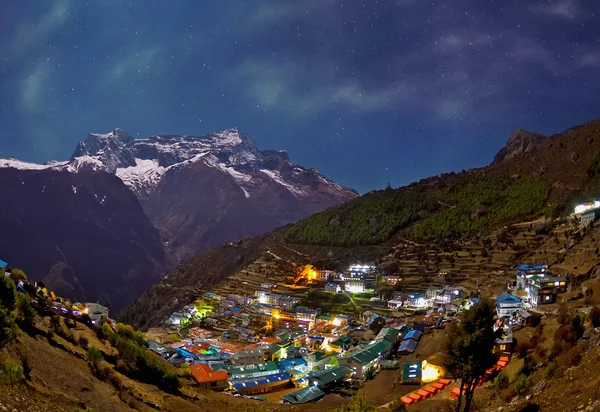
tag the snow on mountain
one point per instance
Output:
(142, 163)
(202, 191)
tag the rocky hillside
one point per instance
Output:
(201, 192)
(85, 234)
(521, 142)
(420, 228)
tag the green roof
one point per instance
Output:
(342, 340)
(252, 368)
(368, 355)
(304, 395)
(320, 355)
(332, 374)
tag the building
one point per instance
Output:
(587, 218)
(417, 301)
(160, 349)
(586, 212)
(426, 323)
(325, 275)
(341, 344)
(524, 272)
(333, 288)
(274, 352)
(252, 371)
(305, 314)
(508, 305)
(304, 395)
(391, 280)
(411, 373)
(543, 290)
(263, 384)
(247, 357)
(366, 361)
(297, 364)
(318, 360)
(330, 378)
(394, 304)
(208, 378)
(354, 285)
(97, 313)
(504, 344)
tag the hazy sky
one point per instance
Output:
(368, 92)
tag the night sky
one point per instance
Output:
(368, 92)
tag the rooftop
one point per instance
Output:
(204, 373)
(304, 395)
(331, 375)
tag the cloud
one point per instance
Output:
(33, 32)
(460, 41)
(289, 88)
(33, 86)
(134, 63)
(563, 9)
(527, 49)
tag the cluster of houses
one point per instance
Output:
(540, 286)
(586, 213)
(280, 344)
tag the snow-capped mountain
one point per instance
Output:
(204, 191)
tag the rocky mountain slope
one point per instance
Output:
(420, 225)
(201, 192)
(521, 142)
(84, 234)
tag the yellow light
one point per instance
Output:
(431, 373)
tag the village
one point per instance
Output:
(295, 339)
(267, 346)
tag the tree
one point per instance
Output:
(8, 293)
(468, 348)
(8, 328)
(523, 384)
(94, 357)
(27, 314)
(397, 405)
(17, 275)
(358, 404)
(502, 381)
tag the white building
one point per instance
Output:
(395, 304)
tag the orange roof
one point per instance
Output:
(445, 381)
(253, 346)
(204, 373)
(270, 340)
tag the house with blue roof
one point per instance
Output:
(525, 272)
(297, 364)
(263, 384)
(508, 304)
(3, 266)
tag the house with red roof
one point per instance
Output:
(208, 378)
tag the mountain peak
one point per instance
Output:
(521, 141)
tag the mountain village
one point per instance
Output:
(278, 342)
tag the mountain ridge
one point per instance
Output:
(202, 191)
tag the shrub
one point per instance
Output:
(523, 384)
(397, 405)
(83, 341)
(502, 381)
(11, 373)
(550, 370)
(27, 314)
(8, 328)
(8, 293)
(94, 357)
(105, 332)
